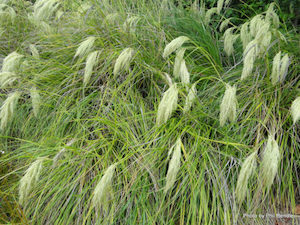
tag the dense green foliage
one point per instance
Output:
(66, 130)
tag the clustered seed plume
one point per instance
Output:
(85, 47)
(295, 110)
(280, 68)
(229, 40)
(29, 180)
(174, 45)
(177, 64)
(7, 108)
(247, 169)
(167, 105)
(174, 165)
(269, 163)
(190, 98)
(102, 190)
(209, 14)
(228, 105)
(123, 61)
(90, 63)
(36, 100)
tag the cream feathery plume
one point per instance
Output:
(245, 34)
(255, 24)
(174, 45)
(271, 15)
(184, 73)
(209, 13)
(229, 40)
(219, 6)
(85, 47)
(29, 180)
(36, 100)
(262, 30)
(228, 105)
(90, 63)
(247, 169)
(295, 110)
(123, 61)
(167, 105)
(275, 68)
(177, 64)
(284, 65)
(7, 79)
(269, 163)
(250, 53)
(45, 9)
(7, 108)
(190, 98)
(11, 62)
(102, 189)
(224, 24)
(174, 165)
(34, 51)
(130, 23)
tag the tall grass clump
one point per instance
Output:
(147, 112)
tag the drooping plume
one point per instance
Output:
(228, 105)
(8, 108)
(90, 63)
(85, 47)
(123, 61)
(190, 98)
(295, 110)
(174, 45)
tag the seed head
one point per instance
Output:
(30, 179)
(167, 105)
(269, 162)
(36, 100)
(224, 24)
(85, 47)
(174, 165)
(275, 69)
(248, 167)
(130, 23)
(7, 108)
(7, 79)
(219, 6)
(174, 45)
(123, 61)
(245, 34)
(90, 63)
(101, 192)
(34, 51)
(250, 54)
(184, 73)
(44, 9)
(178, 59)
(284, 65)
(209, 13)
(11, 62)
(229, 40)
(295, 110)
(228, 105)
(190, 98)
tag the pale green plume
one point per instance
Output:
(7, 108)
(36, 100)
(284, 65)
(177, 64)
(131, 23)
(190, 98)
(250, 54)
(123, 61)
(271, 15)
(29, 180)
(174, 45)
(85, 47)
(229, 40)
(11, 62)
(224, 24)
(245, 34)
(209, 13)
(255, 24)
(90, 63)
(167, 105)
(220, 4)
(102, 190)
(174, 165)
(43, 10)
(275, 68)
(248, 167)
(34, 51)
(295, 110)
(7, 79)
(184, 73)
(228, 105)
(269, 163)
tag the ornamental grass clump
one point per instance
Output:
(85, 47)
(174, 45)
(247, 169)
(29, 180)
(36, 100)
(190, 98)
(228, 105)
(102, 190)
(269, 163)
(123, 61)
(91, 61)
(174, 165)
(295, 110)
(12, 62)
(167, 105)
(7, 109)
